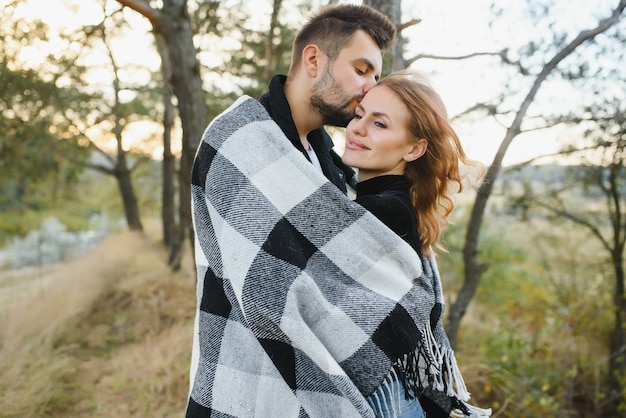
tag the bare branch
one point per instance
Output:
(140, 160)
(504, 56)
(514, 129)
(143, 8)
(410, 61)
(523, 164)
(490, 109)
(101, 168)
(577, 220)
(110, 170)
(408, 24)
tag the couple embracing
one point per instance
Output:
(311, 303)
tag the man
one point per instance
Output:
(336, 59)
(300, 289)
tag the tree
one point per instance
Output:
(35, 144)
(255, 51)
(173, 23)
(30, 152)
(262, 51)
(168, 201)
(119, 115)
(593, 196)
(393, 10)
(57, 114)
(473, 267)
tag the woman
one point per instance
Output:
(409, 163)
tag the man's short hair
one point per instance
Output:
(333, 27)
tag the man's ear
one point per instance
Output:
(312, 60)
(417, 150)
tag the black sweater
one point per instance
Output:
(387, 198)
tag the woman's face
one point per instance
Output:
(378, 140)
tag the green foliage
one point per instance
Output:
(254, 52)
(547, 358)
(72, 213)
(522, 373)
(35, 146)
(29, 148)
(591, 200)
(16, 223)
(569, 327)
(93, 193)
(541, 320)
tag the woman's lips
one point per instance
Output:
(355, 145)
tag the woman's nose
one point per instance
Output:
(357, 126)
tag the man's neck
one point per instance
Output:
(305, 118)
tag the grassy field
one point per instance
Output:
(107, 335)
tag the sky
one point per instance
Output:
(447, 27)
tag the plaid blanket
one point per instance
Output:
(305, 299)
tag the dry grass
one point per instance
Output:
(109, 335)
(106, 335)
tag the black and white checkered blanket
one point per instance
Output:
(305, 300)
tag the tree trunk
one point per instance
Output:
(125, 184)
(270, 48)
(187, 86)
(617, 344)
(168, 209)
(393, 10)
(617, 360)
(174, 24)
(120, 170)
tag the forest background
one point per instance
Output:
(103, 104)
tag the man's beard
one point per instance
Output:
(332, 114)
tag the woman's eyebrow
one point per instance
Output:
(376, 114)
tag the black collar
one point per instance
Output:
(383, 184)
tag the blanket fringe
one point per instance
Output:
(442, 369)
(474, 412)
(429, 366)
(387, 387)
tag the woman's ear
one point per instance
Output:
(312, 60)
(417, 150)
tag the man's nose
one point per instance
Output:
(369, 83)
